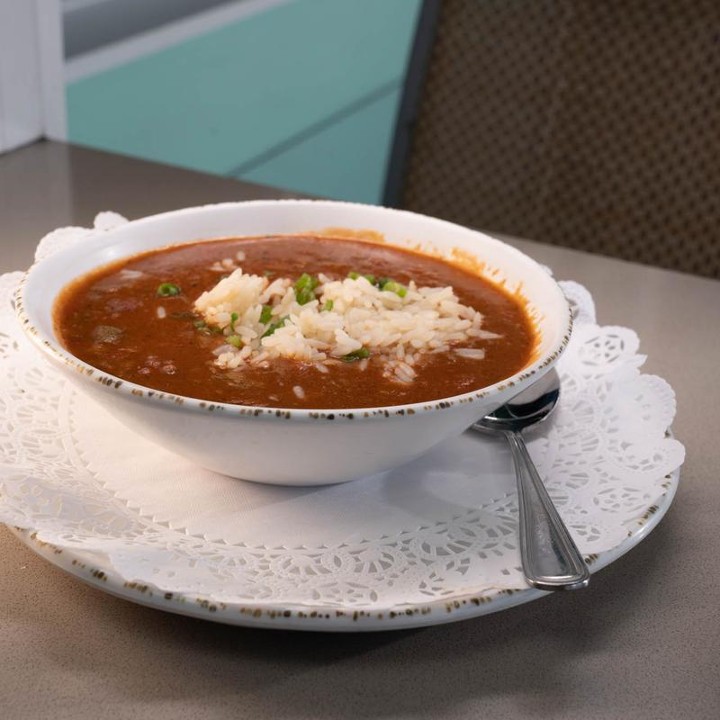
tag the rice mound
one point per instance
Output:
(344, 317)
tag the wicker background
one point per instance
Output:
(593, 125)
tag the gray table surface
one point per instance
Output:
(643, 641)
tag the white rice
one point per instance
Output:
(126, 274)
(227, 264)
(345, 316)
(474, 353)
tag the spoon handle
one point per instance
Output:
(550, 559)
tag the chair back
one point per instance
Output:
(593, 125)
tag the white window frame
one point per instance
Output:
(32, 88)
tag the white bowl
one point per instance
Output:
(286, 446)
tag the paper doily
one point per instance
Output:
(437, 530)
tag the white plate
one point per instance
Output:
(95, 570)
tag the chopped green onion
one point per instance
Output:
(233, 319)
(168, 290)
(235, 341)
(265, 314)
(356, 275)
(306, 281)
(304, 296)
(184, 315)
(273, 327)
(395, 287)
(305, 288)
(355, 355)
(328, 306)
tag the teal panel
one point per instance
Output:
(346, 161)
(221, 99)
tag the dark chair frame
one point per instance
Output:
(418, 63)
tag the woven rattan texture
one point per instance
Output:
(593, 125)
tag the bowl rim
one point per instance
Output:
(51, 347)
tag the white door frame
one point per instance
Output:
(32, 88)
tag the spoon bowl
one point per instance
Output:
(530, 407)
(550, 558)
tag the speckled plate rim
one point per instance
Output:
(96, 571)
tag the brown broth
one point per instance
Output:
(172, 355)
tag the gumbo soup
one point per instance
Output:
(295, 322)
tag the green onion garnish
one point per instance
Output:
(356, 275)
(234, 340)
(265, 314)
(305, 288)
(355, 355)
(184, 315)
(328, 306)
(305, 281)
(168, 290)
(273, 327)
(233, 319)
(396, 287)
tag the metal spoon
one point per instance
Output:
(550, 559)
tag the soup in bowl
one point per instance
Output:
(295, 342)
